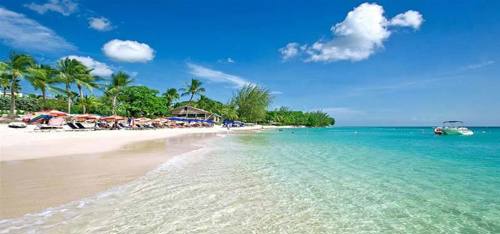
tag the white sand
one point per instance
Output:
(22, 144)
(33, 177)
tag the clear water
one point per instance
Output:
(336, 180)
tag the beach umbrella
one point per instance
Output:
(112, 118)
(56, 113)
(142, 119)
(40, 117)
(86, 117)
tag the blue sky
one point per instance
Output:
(365, 63)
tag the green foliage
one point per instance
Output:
(170, 96)
(140, 101)
(71, 71)
(284, 116)
(193, 89)
(251, 103)
(16, 67)
(25, 103)
(209, 104)
(119, 81)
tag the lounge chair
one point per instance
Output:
(73, 127)
(81, 127)
(121, 125)
(54, 124)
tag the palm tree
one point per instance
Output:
(118, 81)
(251, 103)
(69, 71)
(171, 95)
(89, 101)
(87, 80)
(193, 89)
(5, 83)
(4, 78)
(17, 67)
(42, 77)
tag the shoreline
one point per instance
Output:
(40, 170)
(64, 143)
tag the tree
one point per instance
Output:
(5, 83)
(4, 78)
(17, 67)
(193, 89)
(251, 103)
(138, 101)
(87, 80)
(89, 102)
(69, 70)
(319, 119)
(42, 77)
(119, 81)
(170, 96)
(285, 116)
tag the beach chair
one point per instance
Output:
(123, 126)
(54, 124)
(72, 126)
(81, 127)
(139, 127)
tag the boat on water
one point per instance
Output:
(453, 128)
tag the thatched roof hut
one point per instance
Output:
(193, 112)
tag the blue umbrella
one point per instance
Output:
(44, 117)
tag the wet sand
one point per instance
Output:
(32, 185)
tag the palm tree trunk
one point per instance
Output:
(191, 98)
(68, 94)
(114, 105)
(12, 113)
(44, 98)
(4, 91)
(80, 90)
(44, 95)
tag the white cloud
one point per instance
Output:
(99, 69)
(226, 60)
(362, 32)
(64, 7)
(341, 111)
(216, 76)
(18, 31)
(128, 51)
(290, 50)
(408, 19)
(100, 24)
(477, 65)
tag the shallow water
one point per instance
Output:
(333, 180)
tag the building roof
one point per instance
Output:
(183, 110)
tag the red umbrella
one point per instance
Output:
(54, 113)
(86, 116)
(112, 118)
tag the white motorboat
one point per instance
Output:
(453, 128)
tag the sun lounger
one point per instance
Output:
(81, 127)
(54, 124)
(73, 127)
(121, 125)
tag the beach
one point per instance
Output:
(302, 180)
(46, 169)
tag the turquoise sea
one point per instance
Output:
(329, 180)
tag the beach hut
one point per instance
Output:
(190, 112)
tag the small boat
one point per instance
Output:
(453, 128)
